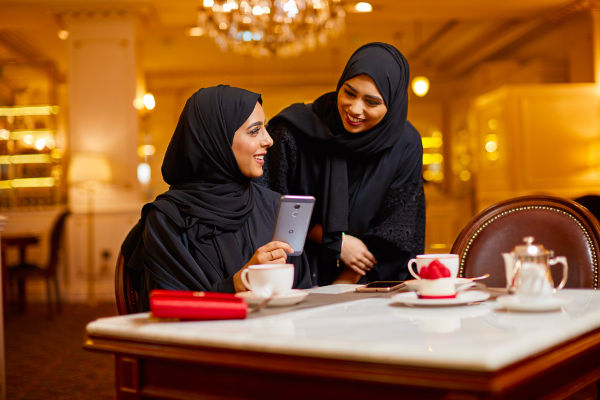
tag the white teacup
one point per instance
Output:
(268, 279)
(450, 261)
(441, 288)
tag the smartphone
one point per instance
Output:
(381, 286)
(293, 218)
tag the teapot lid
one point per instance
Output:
(530, 249)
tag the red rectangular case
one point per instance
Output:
(196, 305)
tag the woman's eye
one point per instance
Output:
(349, 93)
(373, 103)
(254, 131)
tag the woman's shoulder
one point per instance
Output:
(410, 136)
(282, 130)
(266, 195)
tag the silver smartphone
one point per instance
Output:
(293, 218)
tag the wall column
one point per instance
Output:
(102, 119)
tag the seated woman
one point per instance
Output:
(214, 220)
(354, 150)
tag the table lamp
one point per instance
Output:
(88, 171)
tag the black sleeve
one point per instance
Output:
(169, 263)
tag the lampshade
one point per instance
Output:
(89, 167)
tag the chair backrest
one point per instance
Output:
(56, 239)
(125, 293)
(592, 203)
(561, 225)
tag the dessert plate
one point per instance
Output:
(412, 299)
(292, 297)
(515, 303)
(413, 284)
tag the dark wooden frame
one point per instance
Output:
(125, 294)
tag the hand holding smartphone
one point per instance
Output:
(293, 218)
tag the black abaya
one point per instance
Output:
(367, 184)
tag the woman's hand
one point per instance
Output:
(271, 253)
(356, 256)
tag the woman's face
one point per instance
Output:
(360, 104)
(250, 144)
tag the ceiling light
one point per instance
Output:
(363, 7)
(63, 34)
(420, 85)
(270, 27)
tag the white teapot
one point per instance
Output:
(528, 270)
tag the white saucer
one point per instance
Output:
(292, 297)
(515, 303)
(413, 284)
(412, 299)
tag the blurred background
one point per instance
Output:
(507, 103)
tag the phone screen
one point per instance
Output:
(383, 284)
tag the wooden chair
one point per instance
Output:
(561, 225)
(592, 203)
(26, 271)
(125, 293)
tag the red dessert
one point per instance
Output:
(434, 270)
(437, 290)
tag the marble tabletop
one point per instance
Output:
(479, 337)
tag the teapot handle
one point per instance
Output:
(562, 260)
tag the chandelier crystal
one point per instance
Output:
(265, 28)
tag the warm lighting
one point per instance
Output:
(28, 139)
(363, 7)
(196, 31)
(146, 150)
(33, 182)
(143, 173)
(420, 85)
(89, 168)
(432, 158)
(26, 159)
(432, 142)
(269, 27)
(63, 34)
(40, 144)
(148, 101)
(491, 147)
(465, 175)
(18, 111)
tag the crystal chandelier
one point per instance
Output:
(265, 28)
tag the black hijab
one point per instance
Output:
(320, 121)
(207, 185)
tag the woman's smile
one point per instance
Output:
(354, 121)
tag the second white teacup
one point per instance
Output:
(450, 261)
(268, 279)
(441, 288)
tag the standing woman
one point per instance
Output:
(214, 220)
(355, 151)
